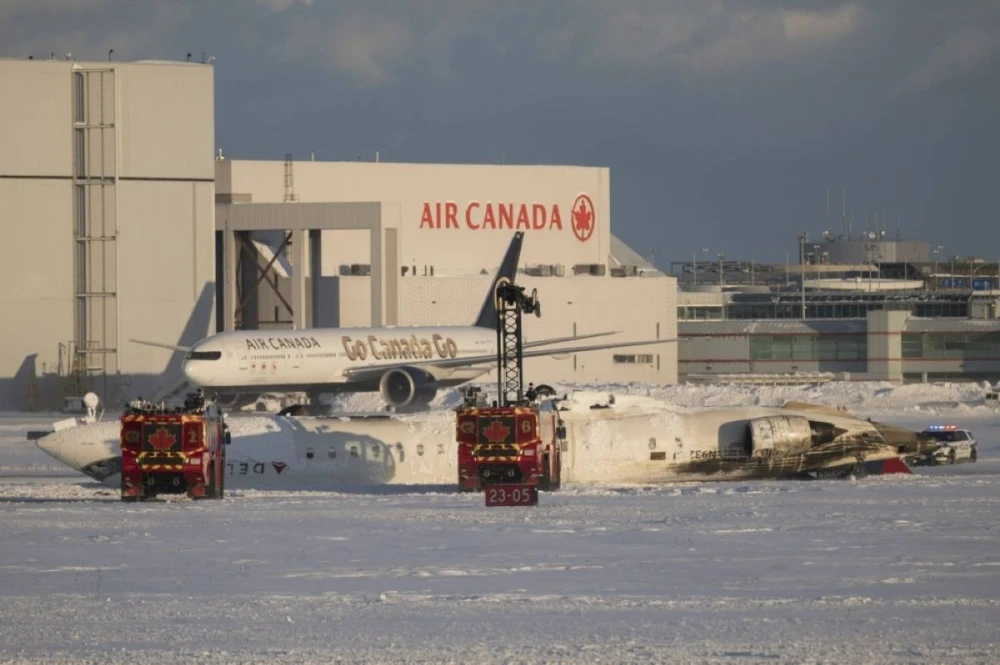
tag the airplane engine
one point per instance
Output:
(407, 386)
(776, 436)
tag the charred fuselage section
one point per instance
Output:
(801, 440)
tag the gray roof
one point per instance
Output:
(771, 327)
(914, 324)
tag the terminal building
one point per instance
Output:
(124, 222)
(890, 310)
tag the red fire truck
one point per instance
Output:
(509, 445)
(173, 451)
(513, 445)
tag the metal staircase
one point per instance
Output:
(96, 223)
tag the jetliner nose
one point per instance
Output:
(52, 446)
(63, 450)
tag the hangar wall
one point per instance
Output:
(454, 217)
(107, 206)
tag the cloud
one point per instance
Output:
(282, 5)
(695, 36)
(13, 8)
(814, 26)
(961, 53)
(368, 49)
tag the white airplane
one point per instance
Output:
(407, 365)
(603, 445)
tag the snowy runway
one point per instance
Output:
(885, 569)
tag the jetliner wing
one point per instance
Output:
(560, 340)
(172, 347)
(370, 372)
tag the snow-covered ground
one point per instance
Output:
(886, 569)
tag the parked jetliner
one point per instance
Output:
(407, 365)
(606, 445)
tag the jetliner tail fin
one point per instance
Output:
(508, 270)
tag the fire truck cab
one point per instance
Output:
(173, 451)
(509, 445)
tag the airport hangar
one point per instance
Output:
(123, 223)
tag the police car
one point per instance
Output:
(954, 445)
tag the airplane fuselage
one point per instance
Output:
(319, 359)
(603, 446)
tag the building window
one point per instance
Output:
(642, 359)
(971, 346)
(808, 347)
(79, 100)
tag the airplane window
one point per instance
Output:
(204, 355)
(309, 453)
(332, 454)
(420, 449)
(375, 452)
(354, 451)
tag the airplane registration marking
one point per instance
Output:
(715, 454)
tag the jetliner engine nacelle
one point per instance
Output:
(407, 386)
(777, 436)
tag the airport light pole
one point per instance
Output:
(871, 252)
(803, 237)
(694, 264)
(817, 262)
(937, 250)
(722, 285)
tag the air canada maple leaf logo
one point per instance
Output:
(583, 218)
(279, 467)
(496, 432)
(162, 439)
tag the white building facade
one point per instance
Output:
(107, 208)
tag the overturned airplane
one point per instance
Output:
(617, 445)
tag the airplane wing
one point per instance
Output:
(161, 345)
(373, 371)
(560, 340)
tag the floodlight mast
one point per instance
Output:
(511, 303)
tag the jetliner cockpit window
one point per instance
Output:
(204, 355)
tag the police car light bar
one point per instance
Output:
(942, 428)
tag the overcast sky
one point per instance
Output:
(723, 123)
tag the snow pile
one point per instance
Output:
(864, 397)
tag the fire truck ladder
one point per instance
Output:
(511, 303)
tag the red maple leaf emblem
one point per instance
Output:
(162, 439)
(583, 217)
(496, 432)
(279, 467)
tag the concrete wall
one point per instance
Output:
(424, 194)
(140, 186)
(885, 351)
